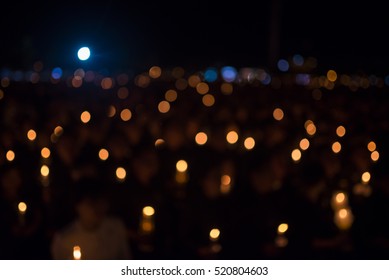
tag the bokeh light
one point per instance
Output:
(163, 107)
(249, 143)
(229, 74)
(296, 155)
(336, 147)
(83, 53)
(45, 170)
(278, 114)
(148, 211)
(341, 131)
(85, 117)
(232, 137)
(45, 152)
(201, 138)
(214, 234)
(10, 155)
(103, 154)
(304, 144)
(121, 173)
(282, 228)
(31, 135)
(125, 115)
(181, 165)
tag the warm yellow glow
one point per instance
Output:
(336, 147)
(226, 180)
(278, 114)
(341, 131)
(77, 252)
(332, 76)
(194, 80)
(10, 155)
(249, 143)
(282, 228)
(159, 142)
(308, 122)
(201, 138)
(296, 155)
(366, 177)
(125, 115)
(45, 152)
(226, 88)
(85, 117)
(182, 165)
(375, 156)
(214, 234)
(155, 72)
(304, 144)
(45, 170)
(103, 154)
(343, 213)
(164, 106)
(311, 129)
(58, 130)
(202, 88)
(147, 226)
(148, 211)
(31, 135)
(22, 206)
(121, 173)
(208, 100)
(340, 198)
(171, 95)
(232, 137)
(371, 146)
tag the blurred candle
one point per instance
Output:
(214, 234)
(147, 221)
(225, 184)
(77, 252)
(281, 241)
(343, 218)
(22, 207)
(339, 200)
(181, 173)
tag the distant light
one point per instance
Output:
(311, 129)
(83, 53)
(226, 88)
(336, 147)
(282, 228)
(148, 211)
(103, 154)
(225, 180)
(56, 73)
(208, 100)
(214, 234)
(121, 173)
(10, 155)
(58, 130)
(163, 106)
(201, 138)
(371, 146)
(155, 72)
(22, 207)
(283, 65)
(232, 137)
(159, 142)
(171, 95)
(182, 165)
(366, 177)
(194, 80)
(340, 197)
(332, 76)
(341, 131)
(229, 74)
(304, 144)
(111, 111)
(210, 75)
(106, 83)
(202, 88)
(125, 115)
(343, 213)
(249, 143)
(374, 156)
(31, 135)
(45, 170)
(85, 117)
(298, 60)
(296, 155)
(278, 114)
(45, 152)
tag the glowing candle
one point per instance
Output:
(281, 241)
(22, 207)
(339, 200)
(77, 253)
(214, 235)
(181, 173)
(147, 221)
(225, 184)
(343, 218)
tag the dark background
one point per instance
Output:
(348, 36)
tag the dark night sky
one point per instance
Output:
(129, 34)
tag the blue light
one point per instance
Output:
(387, 80)
(210, 75)
(303, 79)
(298, 60)
(56, 73)
(283, 65)
(229, 73)
(83, 53)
